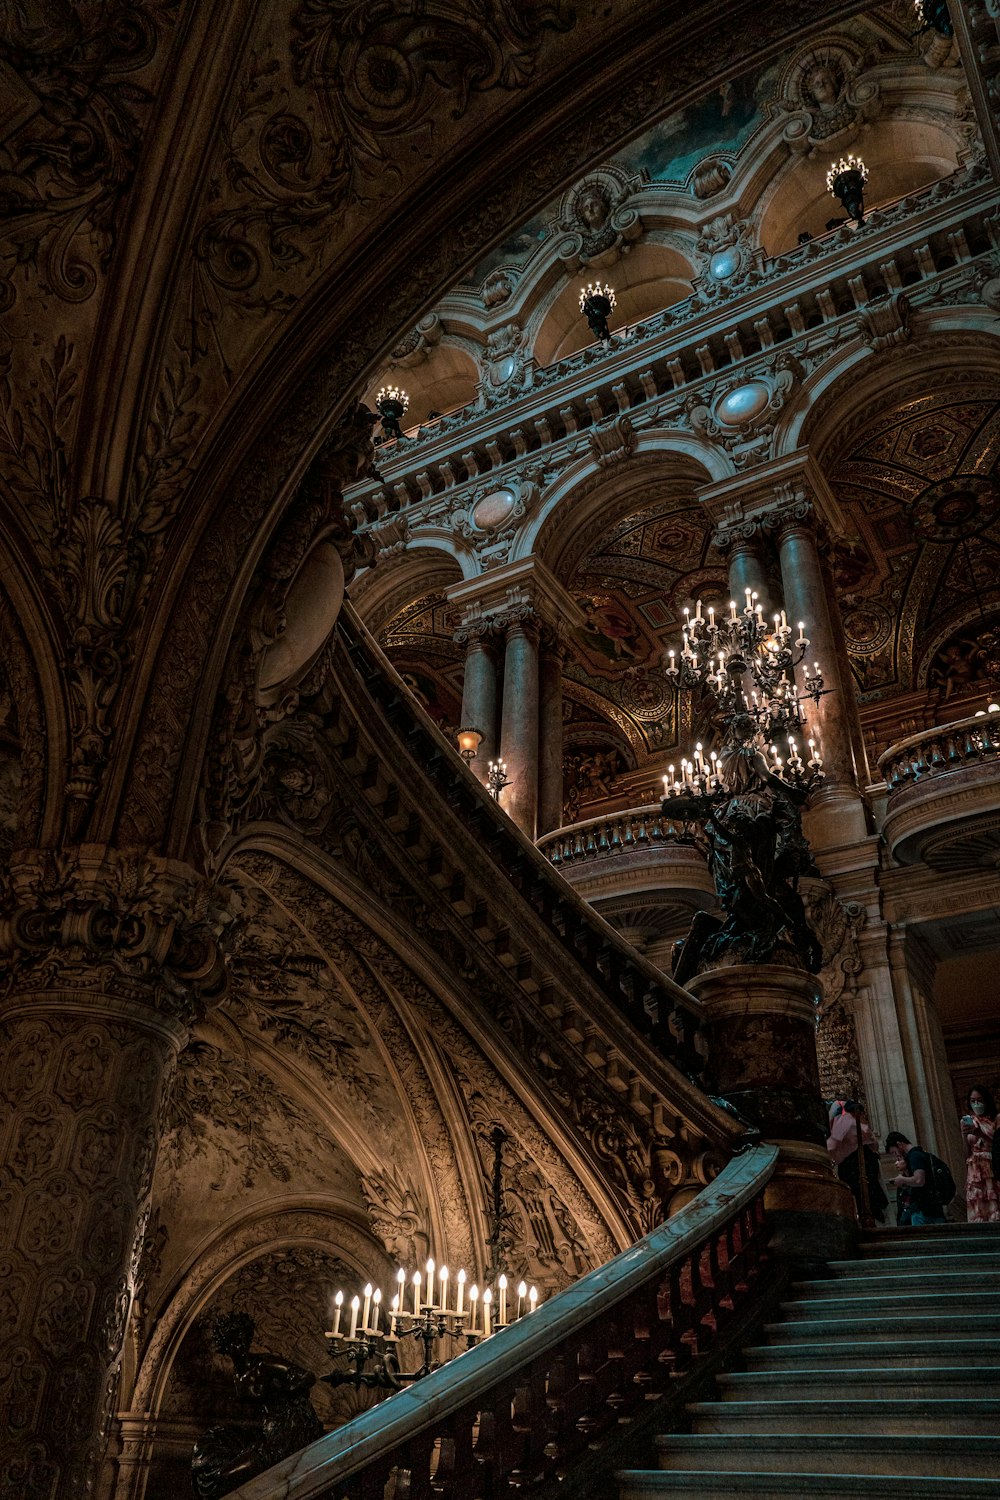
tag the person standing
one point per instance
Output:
(842, 1144)
(921, 1204)
(979, 1124)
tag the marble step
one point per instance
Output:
(909, 1353)
(826, 1325)
(953, 1381)
(908, 1304)
(939, 1238)
(983, 1258)
(634, 1485)
(833, 1453)
(900, 1417)
(923, 1280)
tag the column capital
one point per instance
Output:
(124, 925)
(737, 536)
(505, 595)
(749, 497)
(793, 510)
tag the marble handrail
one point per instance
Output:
(940, 751)
(613, 833)
(519, 1407)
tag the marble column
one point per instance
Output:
(519, 724)
(837, 813)
(763, 1062)
(479, 693)
(743, 548)
(550, 731)
(101, 982)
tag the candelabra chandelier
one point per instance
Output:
(425, 1311)
(749, 668)
(597, 302)
(933, 15)
(392, 402)
(846, 182)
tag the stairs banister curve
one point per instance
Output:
(518, 1408)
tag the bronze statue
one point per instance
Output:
(756, 852)
(277, 1391)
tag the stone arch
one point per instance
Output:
(298, 386)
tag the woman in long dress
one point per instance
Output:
(979, 1124)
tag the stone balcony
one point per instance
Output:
(641, 871)
(943, 796)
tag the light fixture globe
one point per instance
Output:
(468, 741)
(596, 303)
(846, 181)
(392, 402)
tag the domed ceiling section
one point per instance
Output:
(919, 575)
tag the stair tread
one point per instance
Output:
(957, 1443)
(799, 1482)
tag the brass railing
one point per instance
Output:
(517, 1410)
(939, 751)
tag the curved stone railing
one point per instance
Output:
(941, 751)
(943, 792)
(611, 834)
(520, 1408)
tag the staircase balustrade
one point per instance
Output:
(522, 1407)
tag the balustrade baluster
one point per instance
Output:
(616, 834)
(628, 837)
(602, 839)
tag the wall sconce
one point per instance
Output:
(392, 403)
(469, 741)
(596, 302)
(497, 778)
(846, 181)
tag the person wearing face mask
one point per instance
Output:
(979, 1124)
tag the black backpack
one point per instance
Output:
(942, 1184)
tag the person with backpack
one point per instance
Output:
(924, 1180)
(979, 1125)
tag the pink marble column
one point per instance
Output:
(479, 694)
(743, 548)
(550, 732)
(838, 813)
(519, 725)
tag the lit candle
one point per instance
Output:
(732, 609)
(368, 1306)
(443, 1273)
(430, 1283)
(338, 1303)
(532, 1299)
(697, 610)
(473, 1306)
(461, 1292)
(487, 1313)
(416, 1294)
(376, 1306)
(784, 622)
(802, 634)
(711, 618)
(355, 1304)
(392, 1316)
(666, 785)
(502, 1283)
(522, 1292)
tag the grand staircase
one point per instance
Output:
(881, 1379)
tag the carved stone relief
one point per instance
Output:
(597, 220)
(827, 97)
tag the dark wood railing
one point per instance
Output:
(518, 1410)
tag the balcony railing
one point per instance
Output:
(637, 828)
(943, 792)
(521, 1407)
(941, 751)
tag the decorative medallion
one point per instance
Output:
(955, 508)
(493, 510)
(743, 404)
(868, 627)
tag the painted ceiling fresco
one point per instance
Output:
(920, 574)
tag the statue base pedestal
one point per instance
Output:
(763, 1062)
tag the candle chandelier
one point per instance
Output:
(392, 402)
(747, 797)
(846, 181)
(748, 666)
(597, 302)
(439, 1316)
(497, 778)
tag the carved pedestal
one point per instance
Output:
(104, 959)
(763, 1020)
